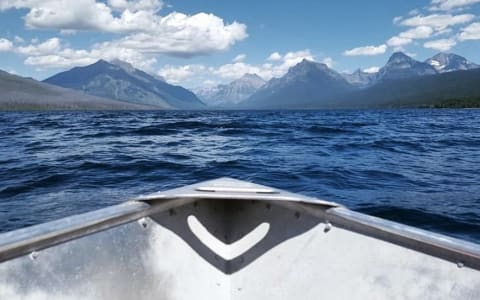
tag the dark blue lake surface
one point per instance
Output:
(419, 167)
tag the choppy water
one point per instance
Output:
(419, 167)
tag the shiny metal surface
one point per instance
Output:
(27, 240)
(232, 189)
(233, 242)
(457, 251)
(34, 238)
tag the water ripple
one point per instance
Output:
(414, 166)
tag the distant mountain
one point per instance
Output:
(403, 82)
(120, 80)
(305, 84)
(226, 95)
(401, 66)
(361, 79)
(19, 93)
(421, 91)
(448, 62)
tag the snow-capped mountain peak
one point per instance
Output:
(448, 62)
(225, 95)
(361, 78)
(401, 65)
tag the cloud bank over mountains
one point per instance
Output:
(275, 65)
(142, 32)
(443, 24)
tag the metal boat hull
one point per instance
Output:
(238, 244)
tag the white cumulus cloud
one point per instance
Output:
(84, 15)
(186, 36)
(266, 70)
(367, 50)
(471, 32)
(135, 5)
(451, 4)
(5, 45)
(440, 45)
(275, 56)
(50, 46)
(445, 26)
(420, 32)
(191, 74)
(397, 41)
(292, 58)
(235, 70)
(406, 37)
(138, 21)
(328, 61)
(239, 58)
(58, 61)
(397, 19)
(52, 53)
(177, 74)
(438, 21)
(371, 69)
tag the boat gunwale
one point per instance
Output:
(24, 241)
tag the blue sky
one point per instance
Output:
(200, 43)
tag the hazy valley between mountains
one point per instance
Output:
(444, 80)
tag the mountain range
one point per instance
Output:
(400, 66)
(442, 80)
(19, 93)
(402, 82)
(303, 85)
(459, 88)
(360, 79)
(121, 81)
(229, 95)
(443, 62)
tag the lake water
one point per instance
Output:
(419, 167)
